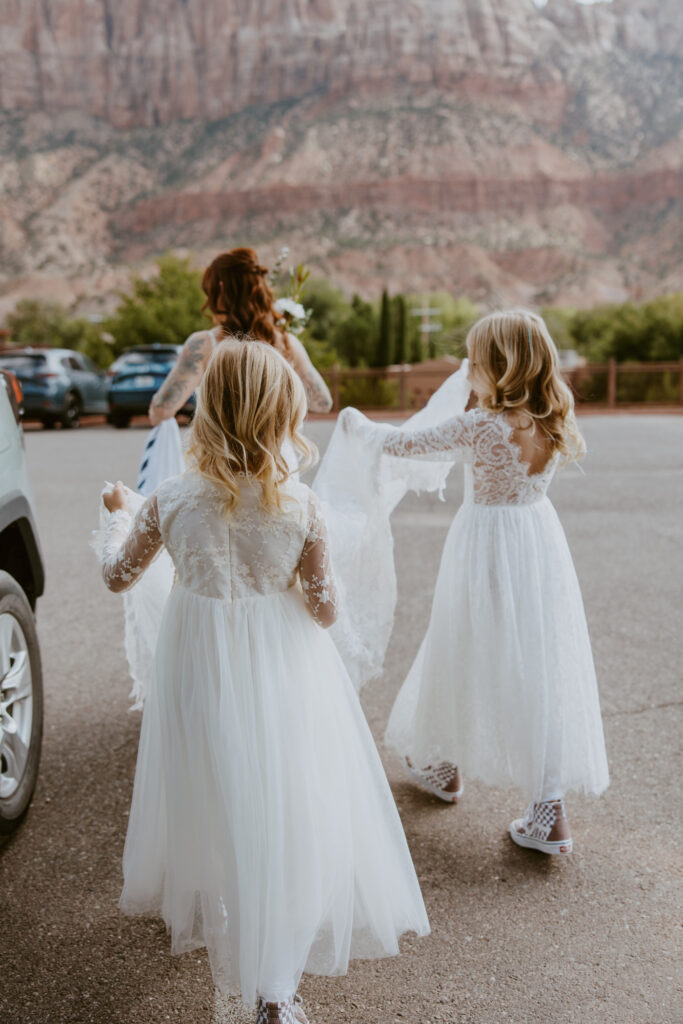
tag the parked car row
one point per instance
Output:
(60, 385)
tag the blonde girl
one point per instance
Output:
(503, 688)
(262, 824)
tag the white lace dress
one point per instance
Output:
(262, 824)
(504, 683)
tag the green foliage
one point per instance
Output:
(384, 351)
(164, 309)
(369, 393)
(354, 337)
(400, 329)
(416, 354)
(652, 331)
(40, 322)
(559, 322)
(328, 307)
(455, 316)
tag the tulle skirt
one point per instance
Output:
(504, 683)
(262, 824)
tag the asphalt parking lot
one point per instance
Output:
(516, 937)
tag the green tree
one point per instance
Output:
(383, 352)
(164, 309)
(416, 354)
(328, 307)
(40, 322)
(400, 333)
(627, 331)
(558, 320)
(354, 337)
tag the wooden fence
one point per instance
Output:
(408, 387)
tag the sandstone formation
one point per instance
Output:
(492, 147)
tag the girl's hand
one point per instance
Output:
(116, 498)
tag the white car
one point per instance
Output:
(21, 584)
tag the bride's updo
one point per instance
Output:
(249, 403)
(239, 297)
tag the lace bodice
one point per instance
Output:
(495, 472)
(249, 553)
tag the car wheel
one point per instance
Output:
(119, 420)
(21, 704)
(71, 417)
(48, 424)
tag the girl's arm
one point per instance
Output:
(317, 393)
(315, 570)
(446, 441)
(183, 378)
(129, 544)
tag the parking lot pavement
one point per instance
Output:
(516, 937)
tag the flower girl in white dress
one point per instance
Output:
(262, 824)
(503, 687)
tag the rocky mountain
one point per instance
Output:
(493, 148)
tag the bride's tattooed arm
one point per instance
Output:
(182, 380)
(318, 395)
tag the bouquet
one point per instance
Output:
(290, 306)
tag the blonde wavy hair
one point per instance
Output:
(249, 402)
(513, 356)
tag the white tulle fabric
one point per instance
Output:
(504, 683)
(359, 487)
(262, 824)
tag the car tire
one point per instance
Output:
(48, 424)
(120, 420)
(71, 417)
(18, 637)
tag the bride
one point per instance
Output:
(240, 302)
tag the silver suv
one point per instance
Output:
(21, 584)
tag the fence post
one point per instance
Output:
(680, 382)
(612, 383)
(335, 387)
(402, 388)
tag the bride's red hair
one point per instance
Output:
(240, 298)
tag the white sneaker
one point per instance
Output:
(436, 779)
(533, 829)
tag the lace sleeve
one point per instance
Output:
(315, 570)
(130, 545)
(450, 440)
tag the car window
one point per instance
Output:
(168, 355)
(89, 365)
(20, 362)
(66, 363)
(132, 359)
(75, 363)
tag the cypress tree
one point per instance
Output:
(400, 336)
(384, 342)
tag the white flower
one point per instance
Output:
(293, 309)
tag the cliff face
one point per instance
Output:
(151, 62)
(521, 153)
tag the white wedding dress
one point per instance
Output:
(504, 684)
(262, 824)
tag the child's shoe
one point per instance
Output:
(436, 780)
(542, 821)
(289, 1011)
